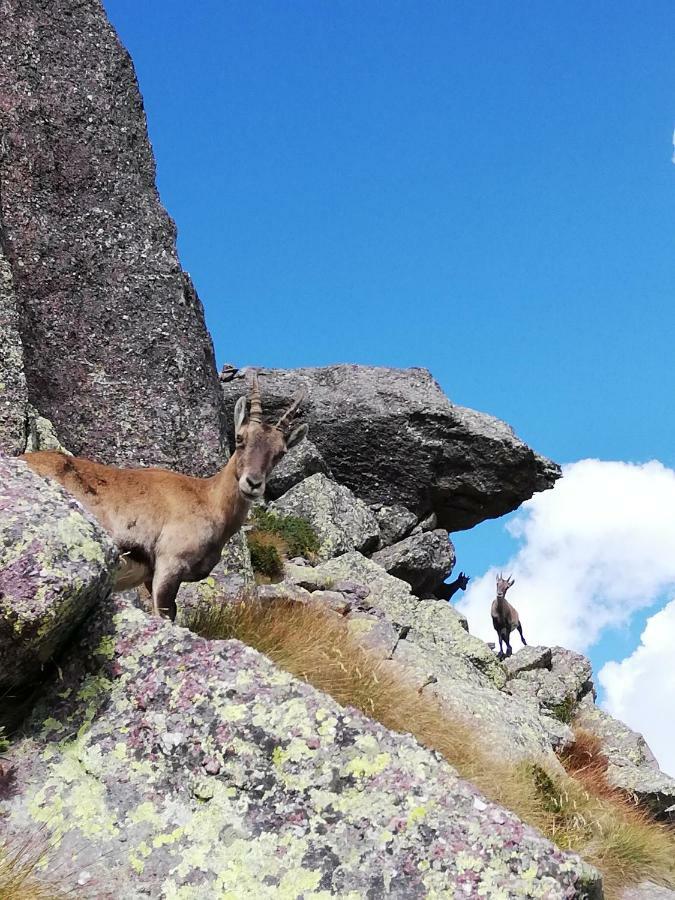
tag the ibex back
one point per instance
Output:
(170, 527)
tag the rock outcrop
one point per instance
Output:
(299, 463)
(341, 521)
(632, 765)
(13, 390)
(21, 426)
(55, 564)
(393, 437)
(424, 560)
(396, 522)
(115, 347)
(168, 765)
(554, 679)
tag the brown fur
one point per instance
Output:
(170, 527)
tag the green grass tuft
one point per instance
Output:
(275, 538)
(298, 535)
(564, 712)
(265, 558)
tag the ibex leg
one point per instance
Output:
(164, 589)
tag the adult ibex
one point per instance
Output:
(505, 617)
(170, 527)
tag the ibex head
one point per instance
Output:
(462, 581)
(259, 447)
(503, 584)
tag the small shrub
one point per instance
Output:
(274, 539)
(564, 712)
(265, 557)
(298, 535)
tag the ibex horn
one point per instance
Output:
(255, 406)
(292, 409)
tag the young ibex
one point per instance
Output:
(446, 591)
(170, 527)
(505, 617)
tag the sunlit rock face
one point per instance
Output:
(116, 351)
(430, 648)
(632, 765)
(393, 437)
(13, 390)
(197, 769)
(55, 565)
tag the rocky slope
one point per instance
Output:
(165, 765)
(156, 763)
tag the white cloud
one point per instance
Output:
(594, 550)
(641, 688)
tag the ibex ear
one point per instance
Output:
(299, 434)
(239, 413)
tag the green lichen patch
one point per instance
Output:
(197, 769)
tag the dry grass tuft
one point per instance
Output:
(588, 764)
(19, 876)
(579, 812)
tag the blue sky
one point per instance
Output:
(481, 188)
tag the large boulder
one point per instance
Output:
(647, 890)
(555, 679)
(341, 521)
(393, 437)
(424, 560)
(396, 522)
(116, 351)
(13, 390)
(55, 564)
(299, 463)
(198, 770)
(21, 426)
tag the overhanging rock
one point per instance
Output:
(393, 437)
